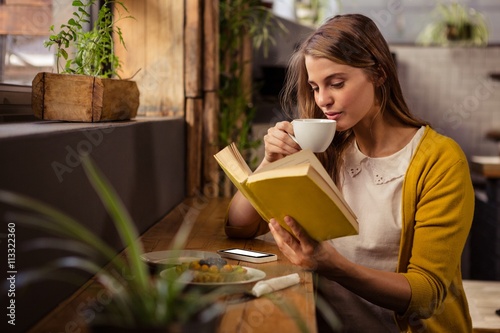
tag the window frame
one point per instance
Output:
(15, 103)
(15, 99)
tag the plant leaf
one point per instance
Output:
(122, 219)
(54, 222)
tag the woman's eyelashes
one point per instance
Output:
(334, 85)
(337, 85)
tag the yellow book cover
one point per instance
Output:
(297, 186)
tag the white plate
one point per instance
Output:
(254, 275)
(176, 257)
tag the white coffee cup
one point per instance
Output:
(314, 134)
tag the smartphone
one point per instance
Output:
(247, 255)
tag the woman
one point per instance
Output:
(409, 186)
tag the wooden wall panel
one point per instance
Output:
(211, 45)
(194, 115)
(28, 2)
(202, 80)
(157, 49)
(32, 18)
(134, 31)
(175, 45)
(194, 54)
(211, 169)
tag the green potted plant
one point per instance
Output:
(85, 87)
(140, 300)
(240, 19)
(456, 25)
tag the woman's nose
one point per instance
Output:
(323, 98)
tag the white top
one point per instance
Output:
(372, 187)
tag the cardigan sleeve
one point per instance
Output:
(438, 219)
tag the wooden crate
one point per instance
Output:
(83, 98)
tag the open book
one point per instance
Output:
(296, 185)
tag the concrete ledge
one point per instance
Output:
(143, 159)
(31, 128)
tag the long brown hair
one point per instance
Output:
(352, 40)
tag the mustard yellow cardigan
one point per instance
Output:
(437, 209)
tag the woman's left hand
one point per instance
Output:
(301, 250)
(387, 289)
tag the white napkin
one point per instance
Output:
(274, 284)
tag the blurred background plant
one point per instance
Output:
(455, 24)
(313, 12)
(245, 26)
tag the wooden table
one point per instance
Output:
(484, 299)
(258, 315)
(489, 168)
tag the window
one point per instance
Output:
(24, 26)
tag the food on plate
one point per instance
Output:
(211, 270)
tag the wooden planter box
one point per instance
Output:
(83, 98)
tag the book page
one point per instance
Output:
(301, 157)
(288, 170)
(231, 160)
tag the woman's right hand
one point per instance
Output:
(277, 142)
